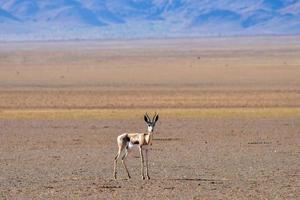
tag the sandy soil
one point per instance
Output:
(202, 159)
(229, 125)
(209, 63)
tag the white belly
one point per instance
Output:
(131, 145)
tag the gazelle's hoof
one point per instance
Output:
(148, 177)
(143, 177)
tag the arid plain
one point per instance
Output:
(229, 124)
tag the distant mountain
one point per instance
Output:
(97, 19)
(6, 16)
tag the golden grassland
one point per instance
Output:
(210, 77)
(148, 98)
(51, 114)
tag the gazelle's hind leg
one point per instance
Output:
(121, 144)
(123, 162)
(115, 163)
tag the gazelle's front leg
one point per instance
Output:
(142, 163)
(147, 174)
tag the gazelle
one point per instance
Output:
(127, 140)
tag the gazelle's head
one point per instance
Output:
(151, 123)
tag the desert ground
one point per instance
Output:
(229, 124)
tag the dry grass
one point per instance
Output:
(162, 98)
(254, 76)
(51, 114)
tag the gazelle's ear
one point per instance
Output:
(145, 118)
(156, 118)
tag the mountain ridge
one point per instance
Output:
(100, 19)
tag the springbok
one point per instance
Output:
(128, 140)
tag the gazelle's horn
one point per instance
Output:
(148, 117)
(154, 116)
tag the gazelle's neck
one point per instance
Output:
(149, 138)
